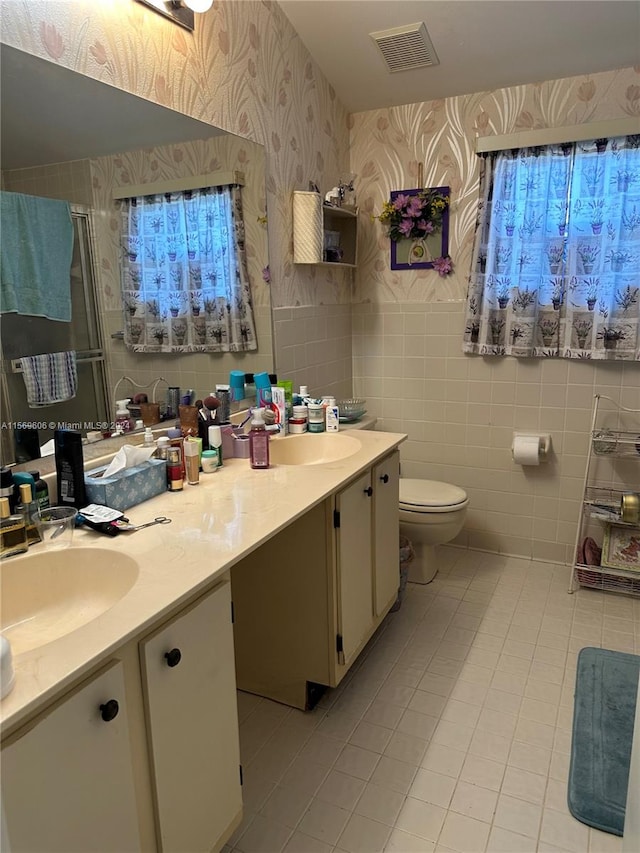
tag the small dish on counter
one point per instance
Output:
(351, 410)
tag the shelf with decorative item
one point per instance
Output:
(607, 545)
(608, 442)
(616, 506)
(324, 234)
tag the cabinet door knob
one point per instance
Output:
(173, 657)
(368, 491)
(385, 478)
(109, 711)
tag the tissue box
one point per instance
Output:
(126, 488)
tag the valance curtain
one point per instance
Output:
(184, 277)
(556, 259)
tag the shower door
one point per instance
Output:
(23, 335)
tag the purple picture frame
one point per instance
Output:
(398, 254)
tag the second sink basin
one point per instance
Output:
(312, 448)
(48, 594)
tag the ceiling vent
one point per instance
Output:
(406, 47)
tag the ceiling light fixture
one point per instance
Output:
(179, 11)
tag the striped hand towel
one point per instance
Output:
(49, 378)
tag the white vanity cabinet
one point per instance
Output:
(192, 723)
(67, 776)
(143, 756)
(308, 600)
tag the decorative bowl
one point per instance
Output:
(351, 410)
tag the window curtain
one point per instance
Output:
(184, 277)
(557, 252)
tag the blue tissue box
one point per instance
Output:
(126, 488)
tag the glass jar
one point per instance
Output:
(316, 417)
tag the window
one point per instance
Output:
(184, 277)
(556, 258)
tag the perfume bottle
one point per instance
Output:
(29, 509)
(13, 532)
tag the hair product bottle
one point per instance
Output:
(258, 441)
(41, 493)
(70, 468)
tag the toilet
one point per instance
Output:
(431, 514)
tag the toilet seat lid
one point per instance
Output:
(429, 493)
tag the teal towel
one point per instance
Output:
(36, 247)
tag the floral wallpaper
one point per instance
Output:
(243, 69)
(387, 145)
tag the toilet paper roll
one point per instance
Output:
(526, 449)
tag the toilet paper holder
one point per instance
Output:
(523, 441)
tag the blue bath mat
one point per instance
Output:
(603, 717)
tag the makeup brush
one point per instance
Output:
(211, 404)
(204, 414)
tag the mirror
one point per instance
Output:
(82, 140)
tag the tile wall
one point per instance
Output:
(313, 348)
(460, 413)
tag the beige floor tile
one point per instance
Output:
(341, 790)
(358, 762)
(406, 748)
(518, 816)
(264, 836)
(363, 835)
(474, 801)
(420, 818)
(427, 703)
(382, 713)
(464, 834)
(564, 831)
(444, 760)
(417, 724)
(467, 691)
(504, 841)
(286, 806)
(393, 774)
(370, 736)
(305, 774)
(403, 842)
(483, 772)
(432, 787)
(380, 804)
(300, 843)
(324, 821)
(524, 785)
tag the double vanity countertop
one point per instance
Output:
(213, 525)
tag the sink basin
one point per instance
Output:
(312, 448)
(48, 594)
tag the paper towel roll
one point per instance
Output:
(526, 449)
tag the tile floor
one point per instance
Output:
(451, 732)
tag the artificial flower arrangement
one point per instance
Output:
(414, 216)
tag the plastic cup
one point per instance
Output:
(56, 525)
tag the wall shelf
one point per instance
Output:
(313, 220)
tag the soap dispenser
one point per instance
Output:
(258, 441)
(123, 418)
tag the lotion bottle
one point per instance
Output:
(258, 441)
